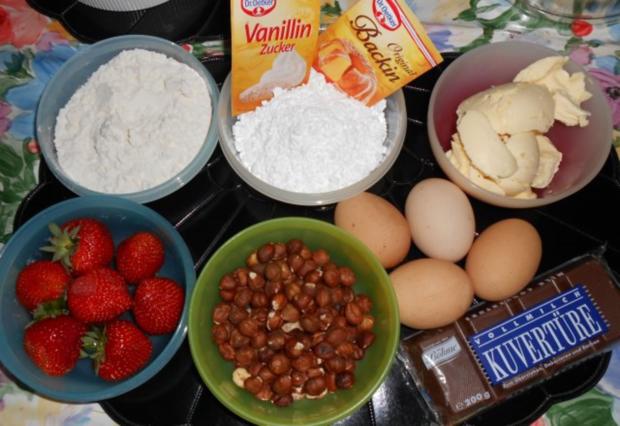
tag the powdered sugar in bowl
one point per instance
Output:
(289, 156)
(132, 116)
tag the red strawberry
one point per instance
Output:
(158, 304)
(98, 296)
(82, 245)
(140, 256)
(41, 281)
(54, 344)
(121, 350)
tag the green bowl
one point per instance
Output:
(344, 250)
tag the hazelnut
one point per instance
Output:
(259, 300)
(273, 287)
(253, 385)
(364, 303)
(227, 295)
(251, 260)
(320, 257)
(241, 275)
(298, 378)
(256, 281)
(365, 339)
(259, 340)
(243, 297)
(315, 386)
(367, 323)
(294, 348)
(278, 302)
(280, 251)
(331, 277)
(306, 268)
(283, 385)
(265, 394)
(273, 271)
(323, 297)
(238, 340)
(336, 335)
(347, 276)
(291, 290)
(265, 253)
(279, 364)
(248, 327)
(295, 262)
(221, 312)
(345, 380)
(227, 351)
(335, 364)
(276, 340)
(227, 282)
(220, 333)
(353, 313)
(283, 400)
(305, 362)
(290, 313)
(294, 246)
(324, 350)
(311, 324)
(237, 315)
(266, 375)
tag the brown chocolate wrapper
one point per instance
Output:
(448, 371)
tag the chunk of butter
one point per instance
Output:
(484, 147)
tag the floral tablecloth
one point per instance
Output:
(33, 47)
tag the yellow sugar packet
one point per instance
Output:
(375, 48)
(273, 45)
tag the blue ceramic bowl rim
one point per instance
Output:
(111, 390)
(190, 171)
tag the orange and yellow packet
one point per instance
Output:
(375, 48)
(273, 44)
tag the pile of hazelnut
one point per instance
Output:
(292, 324)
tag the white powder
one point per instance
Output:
(137, 122)
(312, 138)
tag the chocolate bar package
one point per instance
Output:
(500, 349)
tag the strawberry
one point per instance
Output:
(139, 256)
(98, 296)
(54, 344)
(121, 350)
(40, 282)
(158, 304)
(82, 245)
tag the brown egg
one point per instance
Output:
(431, 292)
(378, 224)
(504, 259)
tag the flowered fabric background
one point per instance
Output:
(33, 47)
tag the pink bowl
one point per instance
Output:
(584, 149)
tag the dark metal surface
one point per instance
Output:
(217, 204)
(174, 20)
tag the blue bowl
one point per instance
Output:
(123, 217)
(77, 70)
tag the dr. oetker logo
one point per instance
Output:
(387, 14)
(257, 8)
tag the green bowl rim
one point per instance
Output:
(392, 344)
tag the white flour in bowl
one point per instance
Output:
(138, 121)
(312, 138)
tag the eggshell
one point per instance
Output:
(441, 219)
(378, 224)
(504, 259)
(431, 292)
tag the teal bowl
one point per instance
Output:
(345, 250)
(123, 217)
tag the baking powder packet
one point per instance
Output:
(375, 48)
(273, 45)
